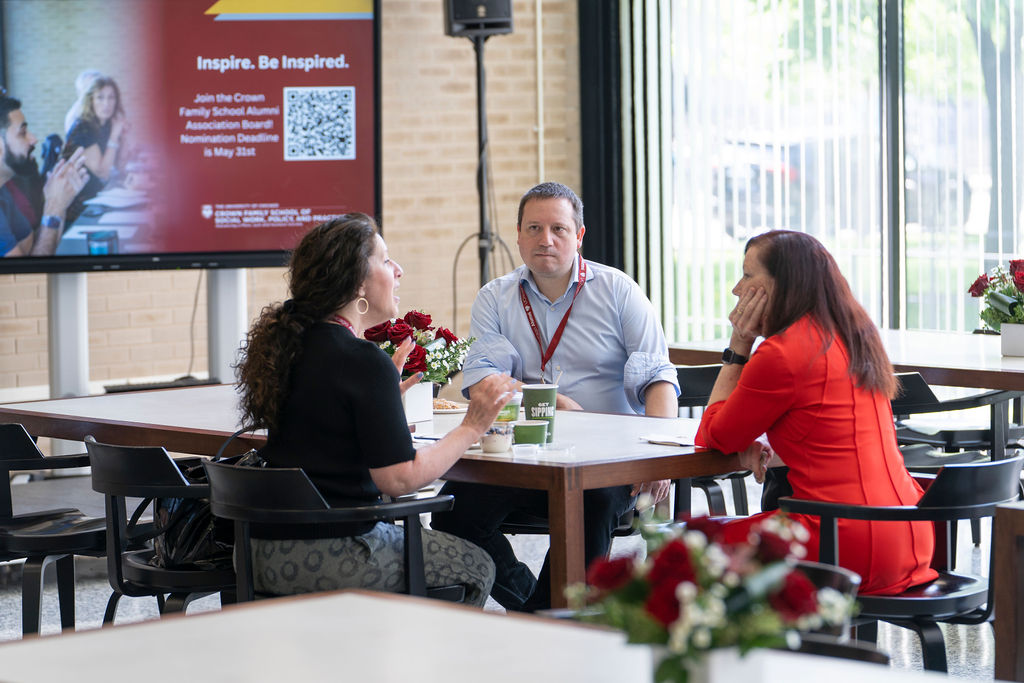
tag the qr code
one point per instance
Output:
(319, 123)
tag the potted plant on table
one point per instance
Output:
(438, 354)
(695, 593)
(1003, 294)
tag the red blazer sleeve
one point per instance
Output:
(765, 392)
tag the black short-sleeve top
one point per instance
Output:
(342, 417)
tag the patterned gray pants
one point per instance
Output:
(373, 561)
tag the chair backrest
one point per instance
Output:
(695, 383)
(140, 471)
(979, 485)
(831, 576)
(16, 445)
(914, 394)
(235, 490)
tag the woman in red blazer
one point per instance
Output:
(818, 387)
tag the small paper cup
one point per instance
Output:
(510, 413)
(530, 431)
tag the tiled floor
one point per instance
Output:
(970, 648)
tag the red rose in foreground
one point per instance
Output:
(979, 286)
(398, 332)
(378, 333)
(417, 361)
(420, 321)
(711, 528)
(771, 547)
(1016, 266)
(662, 604)
(797, 597)
(446, 334)
(608, 575)
(672, 565)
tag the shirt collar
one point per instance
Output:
(574, 277)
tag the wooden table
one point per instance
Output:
(355, 636)
(607, 450)
(943, 358)
(1008, 575)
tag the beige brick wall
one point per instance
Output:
(139, 322)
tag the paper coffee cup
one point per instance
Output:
(539, 404)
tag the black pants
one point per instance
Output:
(481, 509)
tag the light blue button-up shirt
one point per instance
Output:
(612, 348)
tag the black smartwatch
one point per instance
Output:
(50, 221)
(730, 357)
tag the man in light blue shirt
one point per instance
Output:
(610, 356)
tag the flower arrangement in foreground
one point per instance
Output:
(438, 353)
(694, 593)
(1003, 292)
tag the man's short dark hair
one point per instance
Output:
(7, 105)
(553, 191)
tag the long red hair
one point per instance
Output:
(808, 282)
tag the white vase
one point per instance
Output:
(418, 402)
(1011, 339)
(725, 665)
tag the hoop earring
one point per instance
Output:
(366, 305)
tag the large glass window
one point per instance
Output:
(748, 115)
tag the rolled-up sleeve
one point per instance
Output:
(643, 369)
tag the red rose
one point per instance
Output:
(446, 334)
(797, 597)
(607, 575)
(711, 528)
(662, 604)
(1016, 266)
(420, 321)
(398, 332)
(378, 333)
(672, 565)
(1018, 280)
(417, 361)
(771, 547)
(979, 286)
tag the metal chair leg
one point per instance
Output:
(32, 593)
(108, 614)
(66, 591)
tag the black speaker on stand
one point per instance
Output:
(478, 20)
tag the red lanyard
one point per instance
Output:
(545, 356)
(344, 323)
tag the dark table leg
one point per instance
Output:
(565, 522)
(1008, 575)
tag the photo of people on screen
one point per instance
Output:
(33, 209)
(99, 130)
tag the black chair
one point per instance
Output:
(121, 472)
(968, 491)
(285, 498)
(830, 646)
(41, 538)
(695, 384)
(917, 398)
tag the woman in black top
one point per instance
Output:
(331, 404)
(100, 131)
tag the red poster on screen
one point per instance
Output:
(267, 124)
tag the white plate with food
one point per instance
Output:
(443, 406)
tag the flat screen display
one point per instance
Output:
(215, 132)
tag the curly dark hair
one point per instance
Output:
(324, 274)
